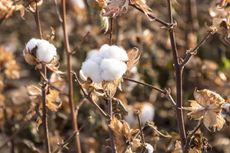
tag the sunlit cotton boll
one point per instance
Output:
(113, 52)
(45, 51)
(94, 55)
(147, 112)
(91, 69)
(31, 44)
(149, 148)
(112, 69)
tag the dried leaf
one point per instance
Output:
(207, 106)
(110, 87)
(141, 4)
(12, 70)
(53, 100)
(177, 148)
(34, 90)
(134, 56)
(123, 134)
(116, 7)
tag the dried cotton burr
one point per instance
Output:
(106, 64)
(39, 51)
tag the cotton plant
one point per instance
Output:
(40, 51)
(105, 67)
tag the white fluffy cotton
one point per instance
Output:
(149, 148)
(45, 51)
(114, 52)
(31, 44)
(107, 63)
(112, 69)
(147, 113)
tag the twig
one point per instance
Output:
(166, 92)
(179, 71)
(151, 16)
(155, 129)
(139, 124)
(78, 47)
(70, 78)
(189, 138)
(111, 31)
(66, 142)
(44, 86)
(193, 52)
(145, 84)
(87, 96)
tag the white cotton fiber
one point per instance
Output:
(94, 55)
(91, 69)
(147, 113)
(106, 64)
(114, 52)
(112, 69)
(32, 43)
(45, 51)
(149, 147)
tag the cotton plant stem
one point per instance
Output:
(44, 86)
(44, 111)
(70, 79)
(110, 112)
(179, 71)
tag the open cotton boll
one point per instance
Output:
(112, 69)
(94, 55)
(32, 43)
(114, 52)
(45, 51)
(149, 148)
(91, 69)
(147, 113)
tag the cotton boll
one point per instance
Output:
(104, 48)
(149, 148)
(94, 55)
(45, 51)
(91, 69)
(114, 52)
(112, 69)
(31, 44)
(147, 113)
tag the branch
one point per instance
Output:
(193, 52)
(44, 86)
(179, 72)
(151, 16)
(166, 92)
(70, 79)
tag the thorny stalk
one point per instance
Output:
(44, 87)
(70, 79)
(179, 71)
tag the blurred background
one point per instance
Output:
(209, 69)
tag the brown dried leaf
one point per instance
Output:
(134, 56)
(116, 7)
(34, 90)
(110, 87)
(177, 148)
(141, 4)
(12, 70)
(53, 100)
(208, 106)
(123, 134)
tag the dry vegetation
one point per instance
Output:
(116, 76)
